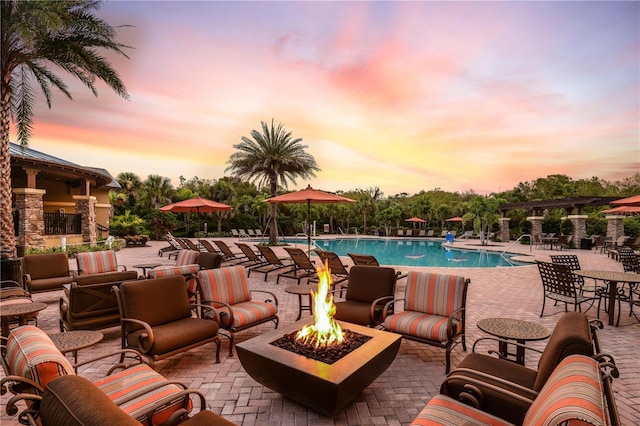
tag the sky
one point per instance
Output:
(403, 96)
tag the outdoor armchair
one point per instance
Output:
(97, 262)
(434, 311)
(156, 318)
(571, 335)
(369, 289)
(226, 290)
(45, 272)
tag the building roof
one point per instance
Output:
(34, 158)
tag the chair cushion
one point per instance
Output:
(146, 300)
(246, 313)
(106, 277)
(187, 257)
(426, 326)
(177, 334)
(49, 283)
(571, 335)
(51, 265)
(31, 354)
(368, 283)
(436, 294)
(445, 411)
(228, 285)
(75, 401)
(96, 262)
(573, 393)
(167, 271)
(135, 388)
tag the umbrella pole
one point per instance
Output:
(308, 227)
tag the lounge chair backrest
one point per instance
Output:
(209, 260)
(96, 262)
(299, 257)
(573, 394)
(364, 259)
(31, 354)
(437, 294)
(187, 257)
(362, 278)
(228, 285)
(247, 251)
(335, 264)
(40, 266)
(570, 336)
(155, 301)
(270, 255)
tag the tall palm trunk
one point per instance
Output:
(7, 239)
(273, 224)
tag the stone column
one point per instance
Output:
(86, 206)
(505, 236)
(579, 227)
(615, 227)
(536, 225)
(30, 208)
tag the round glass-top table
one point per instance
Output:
(613, 277)
(513, 329)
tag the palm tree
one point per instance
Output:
(272, 158)
(33, 36)
(156, 191)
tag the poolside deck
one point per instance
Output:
(397, 396)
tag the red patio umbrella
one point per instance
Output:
(415, 220)
(309, 195)
(196, 205)
(630, 201)
(454, 219)
(624, 210)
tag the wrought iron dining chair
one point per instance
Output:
(559, 285)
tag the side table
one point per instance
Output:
(302, 290)
(145, 266)
(20, 311)
(513, 329)
(72, 341)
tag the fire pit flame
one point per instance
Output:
(325, 332)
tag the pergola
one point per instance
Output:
(573, 205)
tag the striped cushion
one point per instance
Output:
(165, 271)
(96, 262)
(247, 313)
(32, 355)
(573, 394)
(187, 257)
(431, 327)
(228, 285)
(437, 294)
(135, 388)
(445, 411)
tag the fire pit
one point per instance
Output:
(324, 388)
(325, 385)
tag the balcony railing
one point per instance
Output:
(62, 223)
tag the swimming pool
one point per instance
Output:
(413, 252)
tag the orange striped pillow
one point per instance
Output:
(436, 294)
(572, 394)
(227, 285)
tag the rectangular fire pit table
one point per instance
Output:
(325, 388)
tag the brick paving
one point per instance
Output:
(397, 396)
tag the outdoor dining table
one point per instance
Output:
(21, 311)
(613, 277)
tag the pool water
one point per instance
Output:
(412, 252)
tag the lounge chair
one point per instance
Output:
(364, 259)
(228, 255)
(253, 258)
(444, 233)
(258, 232)
(192, 246)
(430, 233)
(339, 272)
(242, 233)
(274, 263)
(303, 267)
(422, 233)
(251, 233)
(235, 233)
(172, 247)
